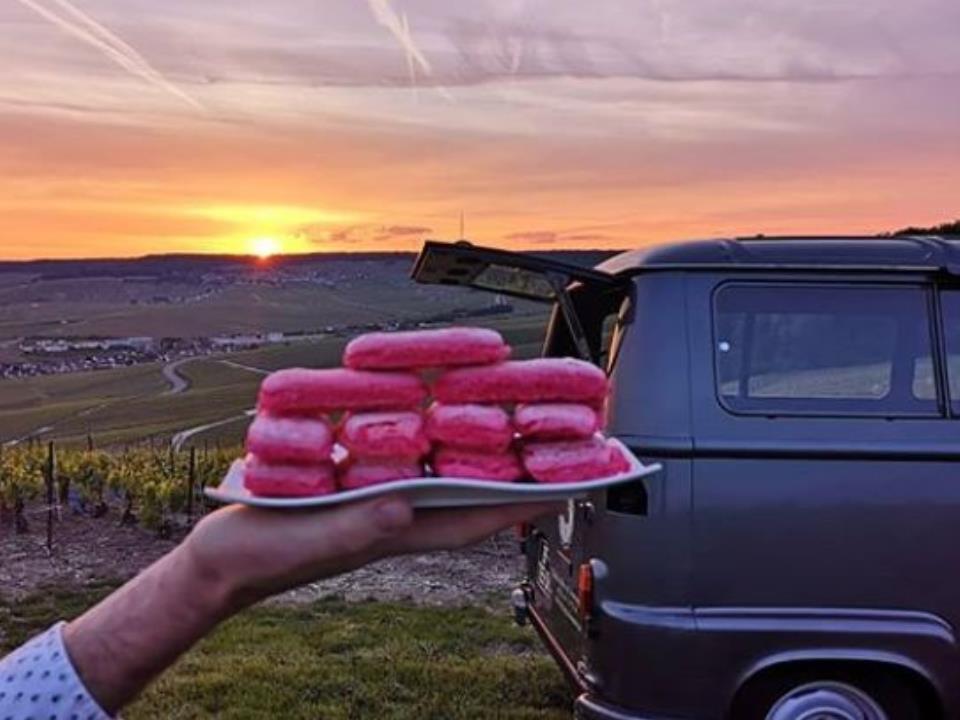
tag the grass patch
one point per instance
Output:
(336, 660)
(46, 390)
(326, 352)
(209, 373)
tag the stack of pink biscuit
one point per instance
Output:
(557, 405)
(395, 444)
(378, 401)
(290, 443)
(473, 440)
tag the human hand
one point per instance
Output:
(250, 553)
(239, 555)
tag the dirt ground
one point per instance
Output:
(87, 550)
(482, 575)
(84, 550)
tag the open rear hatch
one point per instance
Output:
(528, 276)
(585, 301)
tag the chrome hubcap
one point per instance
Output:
(826, 701)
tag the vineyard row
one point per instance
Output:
(156, 488)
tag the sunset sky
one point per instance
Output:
(135, 126)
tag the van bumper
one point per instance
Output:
(588, 708)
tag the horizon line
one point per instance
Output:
(265, 261)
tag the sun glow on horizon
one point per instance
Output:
(265, 246)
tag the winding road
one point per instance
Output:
(178, 440)
(178, 382)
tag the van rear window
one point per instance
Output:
(601, 316)
(824, 349)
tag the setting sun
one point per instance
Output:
(264, 247)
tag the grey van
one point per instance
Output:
(798, 556)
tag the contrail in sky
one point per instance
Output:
(400, 29)
(75, 22)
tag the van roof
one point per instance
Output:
(927, 253)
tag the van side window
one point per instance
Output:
(950, 304)
(824, 349)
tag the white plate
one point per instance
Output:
(435, 491)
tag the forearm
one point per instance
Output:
(121, 644)
(237, 556)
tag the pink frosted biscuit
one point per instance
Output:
(384, 434)
(301, 391)
(290, 440)
(454, 462)
(541, 380)
(472, 427)
(276, 480)
(425, 348)
(353, 474)
(618, 463)
(573, 461)
(556, 421)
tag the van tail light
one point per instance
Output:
(523, 530)
(585, 591)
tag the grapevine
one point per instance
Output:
(137, 485)
(21, 481)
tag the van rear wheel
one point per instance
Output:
(826, 701)
(833, 696)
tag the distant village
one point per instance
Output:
(54, 356)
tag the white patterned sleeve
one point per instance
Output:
(38, 682)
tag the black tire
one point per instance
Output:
(890, 690)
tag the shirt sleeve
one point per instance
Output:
(38, 682)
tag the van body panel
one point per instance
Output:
(794, 517)
(650, 380)
(767, 539)
(785, 528)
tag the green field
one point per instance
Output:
(334, 660)
(81, 307)
(131, 404)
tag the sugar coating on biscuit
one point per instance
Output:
(290, 440)
(358, 473)
(384, 434)
(284, 480)
(470, 426)
(473, 464)
(524, 381)
(301, 390)
(572, 460)
(442, 347)
(556, 421)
